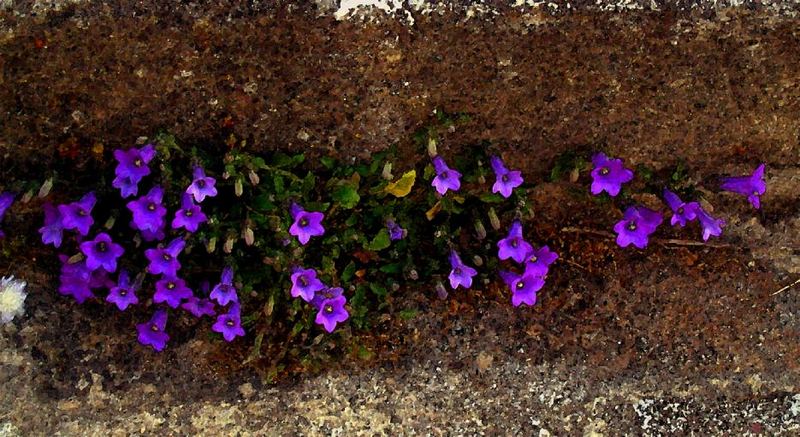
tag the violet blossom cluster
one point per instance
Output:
(328, 301)
(535, 263)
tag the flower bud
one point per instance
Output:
(211, 245)
(480, 230)
(228, 247)
(477, 260)
(494, 220)
(238, 189)
(226, 175)
(110, 222)
(387, 171)
(248, 236)
(253, 176)
(395, 286)
(413, 275)
(27, 196)
(441, 292)
(432, 147)
(46, 187)
(481, 179)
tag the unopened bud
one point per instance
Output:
(253, 176)
(494, 220)
(226, 175)
(46, 187)
(249, 237)
(238, 189)
(387, 171)
(228, 246)
(395, 286)
(432, 147)
(441, 292)
(110, 222)
(480, 230)
(211, 245)
(481, 179)
(477, 260)
(78, 257)
(27, 196)
(413, 275)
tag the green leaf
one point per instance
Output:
(328, 162)
(262, 203)
(407, 314)
(348, 272)
(379, 290)
(280, 187)
(380, 242)
(402, 186)
(308, 183)
(392, 268)
(346, 195)
(491, 198)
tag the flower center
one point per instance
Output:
(154, 328)
(82, 212)
(520, 285)
(189, 213)
(328, 295)
(102, 246)
(230, 323)
(151, 206)
(328, 309)
(443, 174)
(457, 270)
(533, 259)
(303, 222)
(504, 178)
(604, 171)
(201, 183)
(755, 193)
(631, 226)
(680, 210)
(138, 162)
(170, 286)
(514, 243)
(123, 292)
(166, 257)
(303, 281)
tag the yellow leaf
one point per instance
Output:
(433, 211)
(402, 186)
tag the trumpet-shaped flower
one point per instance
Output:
(306, 224)
(152, 332)
(225, 292)
(102, 252)
(395, 231)
(305, 283)
(461, 274)
(164, 260)
(132, 166)
(124, 293)
(331, 312)
(229, 324)
(199, 307)
(78, 215)
(682, 212)
(53, 230)
(202, 186)
(172, 291)
(711, 226)
(523, 287)
(539, 260)
(608, 174)
(636, 226)
(446, 178)
(507, 179)
(514, 245)
(751, 186)
(190, 216)
(148, 212)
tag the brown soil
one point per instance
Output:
(673, 339)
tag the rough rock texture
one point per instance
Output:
(677, 339)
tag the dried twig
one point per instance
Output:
(664, 241)
(786, 287)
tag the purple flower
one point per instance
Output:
(74, 280)
(539, 260)
(751, 186)
(446, 178)
(608, 175)
(225, 292)
(148, 235)
(132, 166)
(202, 186)
(199, 307)
(395, 231)
(507, 180)
(148, 212)
(124, 293)
(6, 199)
(682, 212)
(711, 226)
(306, 224)
(52, 231)
(102, 252)
(164, 260)
(305, 283)
(325, 294)
(523, 287)
(331, 312)
(152, 333)
(190, 216)
(78, 215)
(514, 246)
(171, 290)
(461, 274)
(636, 226)
(230, 323)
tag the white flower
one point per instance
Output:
(12, 298)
